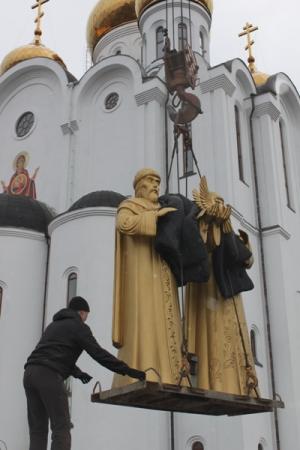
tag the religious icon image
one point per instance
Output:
(216, 324)
(21, 183)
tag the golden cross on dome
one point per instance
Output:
(248, 29)
(38, 20)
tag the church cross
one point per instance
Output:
(248, 29)
(38, 20)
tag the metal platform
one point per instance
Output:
(167, 397)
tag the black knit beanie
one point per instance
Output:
(79, 304)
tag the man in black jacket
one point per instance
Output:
(52, 361)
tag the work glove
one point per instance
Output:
(85, 377)
(133, 373)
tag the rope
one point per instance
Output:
(167, 22)
(173, 25)
(252, 381)
(190, 21)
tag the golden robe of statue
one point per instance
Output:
(146, 320)
(215, 324)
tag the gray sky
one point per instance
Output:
(65, 26)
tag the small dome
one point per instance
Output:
(24, 212)
(106, 15)
(141, 5)
(109, 199)
(260, 78)
(28, 52)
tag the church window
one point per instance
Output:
(72, 286)
(188, 160)
(160, 42)
(182, 35)
(197, 446)
(285, 164)
(201, 38)
(239, 143)
(253, 341)
(1, 297)
(111, 101)
(260, 447)
(24, 124)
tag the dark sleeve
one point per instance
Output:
(88, 343)
(76, 373)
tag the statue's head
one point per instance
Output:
(146, 184)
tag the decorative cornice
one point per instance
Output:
(158, 7)
(243, 222)
(117, 33)
(79, 214)
(152, 94)
(276, 229)
(267, 108)
(267, 231)
(218, 82)
(22, 233)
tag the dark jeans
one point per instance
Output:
(47, 399)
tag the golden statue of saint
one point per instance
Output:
(216, 326)
(146, 320)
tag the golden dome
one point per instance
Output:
(106, 15)
(260, 78)
(28, 52)
(140, 5)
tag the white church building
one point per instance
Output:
(88, 138)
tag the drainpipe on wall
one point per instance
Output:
(46, 282)
(262, 257)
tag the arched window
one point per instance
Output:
(160, 42)
(239, 143)
(260, 447)
(253, 342)
(287, 181)
(182, 35)
(197, 446)
(201, 40)
(1, 297)
(187, 153)
(72, 286)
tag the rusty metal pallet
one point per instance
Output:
(167, 397)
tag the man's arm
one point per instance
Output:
(103, 357)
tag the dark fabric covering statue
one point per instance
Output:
(179, 243)
(230, 260)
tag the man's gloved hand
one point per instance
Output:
(85, 377)
(133, 373)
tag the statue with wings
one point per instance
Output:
(216, 326)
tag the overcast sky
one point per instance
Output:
(65, 28)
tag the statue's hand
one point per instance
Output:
(163, 211)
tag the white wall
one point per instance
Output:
(22, 268)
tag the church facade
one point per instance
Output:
(76, 144)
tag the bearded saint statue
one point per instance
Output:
(216, 326)
(146, 316)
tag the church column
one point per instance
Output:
(219, 154)
(152, 137)
(277, 246)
